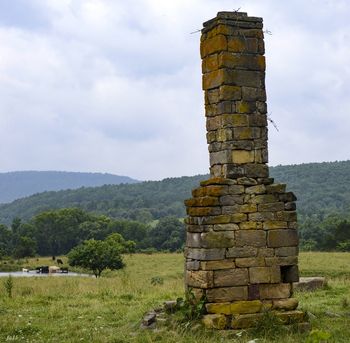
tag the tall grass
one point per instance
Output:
(109, 309)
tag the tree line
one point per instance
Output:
(56, 232)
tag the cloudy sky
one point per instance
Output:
(115, 86)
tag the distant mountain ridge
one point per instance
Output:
(19, 184)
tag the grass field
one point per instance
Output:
(109, 309)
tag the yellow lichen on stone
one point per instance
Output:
(242, 156)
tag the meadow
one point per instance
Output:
(110, 309)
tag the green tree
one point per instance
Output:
(98, 255)
(26, 247)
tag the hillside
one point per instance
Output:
(15, 185)
(321, 188)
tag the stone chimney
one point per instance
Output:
(242, 241)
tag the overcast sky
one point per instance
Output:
(115, 86)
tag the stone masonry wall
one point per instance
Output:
(242, 242)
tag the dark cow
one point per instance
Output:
(59, 261)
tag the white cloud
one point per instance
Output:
(115, 86)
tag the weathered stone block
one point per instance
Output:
(217, 181)
(245, 321)
(234, 120)
(215, 321)
(205, 254)
(251, 238)
(226, 227)
(260, 275)
(263, 198)
(210, 63)
(266, 252)
(245, 106)
(246, 133)
(217, 265)
(199, 278)
(275, 291)
(242, 156)
(245, 307)
(285, 304)
(227, 294)
(215, 78)
(276, 188)
(253, 94)
(220, 157)
(223, 219)
(192, 265)
(274, 206)
(229, 200)
(219, 308)
(212, 191)
(242, 44)
(231, 277)
(230, 93)
(291, 317)
(286, 251)
(248, 208)
(282, 238)
(261, 216)
(290, 206)
(286, 215)
(246, 181)
(202, 202)
(217, 239)
(193, 240)
(212, 45)
(247, 251)
(258, 189)
(275, 224)
(281, 261)
(250, 262)
(249, 225)
(236, 189)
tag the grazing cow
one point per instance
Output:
(59, 261)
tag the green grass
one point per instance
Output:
(109, 309)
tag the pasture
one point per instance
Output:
(109, 309)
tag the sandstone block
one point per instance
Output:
(217, 181)
(245, 321)
(251, 238)
(275, 224)
(266, 252)
(230, 277)
(193, 240)
(247, 251)
(223, 135)
(203, 211)
(217, 265)
(199, 278)
(253, 94)
(213, 123)
(212, 45)
(205, 254)
(258, 189)
(242, 156)
(256, 170)
(263, 198)
(310, 283)
(246, 133)
(229, 93)
(285, 304)
(227, 294)
(219, 308)
(286, 251)
(212, 191)
(245, 307)
(281, 261)
(275, 291)
(216, 78)
(202, 202)
(234, 120)
(287, 197)
(220, 157)
(290, 206)
(286, 215)
(291, 317)
(250, 225)
(236, 189)
(261, 216)
(250, 262)
(274, 206)
(282, 238)
(210, 63)
(246, 181)
(243, 45)
(259, 120)
(248, 208)
(245, 106)
(229, 200)
(211, 137)
(192, 265)
(238, 217)
(222, 219)
(230, 209)
(217, 239)
(215, 321)
(240, 78)
(226, 227)
(260, 275)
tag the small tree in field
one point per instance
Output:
(99, 255)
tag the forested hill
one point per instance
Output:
(15, 185)
(321, 188)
